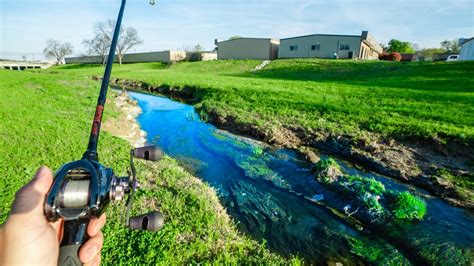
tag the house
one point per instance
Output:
(362, 46)
(467, 50)
(162, 56)
(248, 48)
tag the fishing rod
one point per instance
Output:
(83, 189)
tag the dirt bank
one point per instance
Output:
(435, 167)
(125, 125)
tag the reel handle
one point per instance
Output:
(75, 234)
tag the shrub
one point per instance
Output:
(391, 57)
(408, 207)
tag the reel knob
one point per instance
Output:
(149, 153)
(152, 221)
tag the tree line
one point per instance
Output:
(405, 47)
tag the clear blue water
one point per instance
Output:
(266, 191)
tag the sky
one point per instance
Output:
(26, 25)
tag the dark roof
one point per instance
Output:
(247, 39)
(467, 40)
(310, 35)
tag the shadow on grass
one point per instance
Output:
(78, 66)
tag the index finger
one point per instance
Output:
(95, 225)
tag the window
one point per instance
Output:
(315, 47)
(344, 47)
(293, 47)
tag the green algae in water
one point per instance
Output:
(257, 168)
(401, 206)
(408, 207)
(325, 164)
(257, 151)
(377, 253)
(368, 190)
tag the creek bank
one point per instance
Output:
(263, 188)
(125, 125)
(416, 162)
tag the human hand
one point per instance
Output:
(28, 238)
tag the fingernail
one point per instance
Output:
(90, 252)
(100, 225)
(40, 171)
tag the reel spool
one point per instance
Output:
(75, 193)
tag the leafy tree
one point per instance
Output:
(235, 37)
(450, 46)
(430, 52)
(57, 50)
(195, 53)
(398, 46)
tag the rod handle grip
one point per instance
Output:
(75, 234)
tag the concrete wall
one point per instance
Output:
(467, 50)
(248, 48)
(162, 56)
(320, 46)
(208, 56)
(83, 60)
(22, 65)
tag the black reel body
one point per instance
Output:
(80, 190)
(83, 189)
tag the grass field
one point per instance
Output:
(423, 100)
(46, 119)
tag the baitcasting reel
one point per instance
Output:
(83, 189)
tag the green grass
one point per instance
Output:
(421, 100)
(46, 120)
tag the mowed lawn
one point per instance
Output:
(416, 100)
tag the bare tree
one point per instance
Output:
(57, 50)
(99, 45)
(127, 40)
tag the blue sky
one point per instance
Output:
(25, 25)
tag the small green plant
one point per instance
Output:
(327, 170)
(257, 151)
(368, 190)
(326, 163)
(408, 207)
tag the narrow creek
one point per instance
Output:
(273, 196)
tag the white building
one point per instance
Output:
(362, 46)
(248, 48)
(467, 50)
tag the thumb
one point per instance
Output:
(30, 198)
